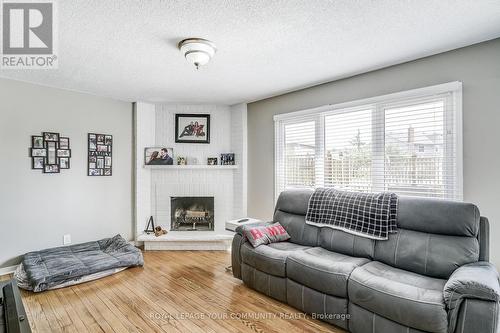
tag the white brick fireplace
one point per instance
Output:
(156, 185)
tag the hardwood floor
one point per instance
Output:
(176, 291)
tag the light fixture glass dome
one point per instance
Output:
(198, 51)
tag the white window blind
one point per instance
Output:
(408, 143)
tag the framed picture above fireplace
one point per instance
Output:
(192, 128)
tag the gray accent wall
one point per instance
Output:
(476, 66)
(37, 209)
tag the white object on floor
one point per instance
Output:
(231, 225)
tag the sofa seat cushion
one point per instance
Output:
(270, 258)
(322, 270)
(407, 298)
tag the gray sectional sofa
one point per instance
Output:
(431, 276)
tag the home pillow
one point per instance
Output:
(266, 234)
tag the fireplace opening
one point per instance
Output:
(192, 213)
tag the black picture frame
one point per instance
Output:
(33, 164)
(195, 117)
(32, 149)
(34, 141)
(60, 162)
(61, 139)
(58, 155)
(54, 145)
(56, 168)
(50, 136)
(227, 159)
(95, 140)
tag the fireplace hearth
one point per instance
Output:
(192, 213)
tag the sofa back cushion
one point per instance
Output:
(437, 216)
(434, 236)
(345, 243)
(425, 253)
(290, 211)
(300, 232)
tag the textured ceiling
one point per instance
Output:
(127, 49)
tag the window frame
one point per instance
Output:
(450, 92)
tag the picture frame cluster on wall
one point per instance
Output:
(50, 152)
(100, 154)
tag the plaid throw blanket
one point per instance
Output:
(370, 215)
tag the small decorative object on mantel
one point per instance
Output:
(181, 160)
(151, 222)
(100, 154)
(158, 156)
(192, 128)
(160, 231)
(212, 161)
(227, 159)
(50, 152)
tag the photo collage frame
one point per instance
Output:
(50, 152)
(100, 154)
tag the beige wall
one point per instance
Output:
(37, 209)
(477, 66)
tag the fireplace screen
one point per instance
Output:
(192, 213)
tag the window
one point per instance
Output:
(408, 143)
(300, 148)
(348, 150)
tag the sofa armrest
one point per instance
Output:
(484, 239)
(238, 240)
(477, 281)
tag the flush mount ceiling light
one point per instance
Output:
(198, 51)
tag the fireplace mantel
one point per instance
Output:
(187, 240)
(191, 167)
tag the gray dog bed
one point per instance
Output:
(68, 265)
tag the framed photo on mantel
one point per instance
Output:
(192, 128)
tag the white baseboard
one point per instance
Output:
(136, 243)
(8, 270)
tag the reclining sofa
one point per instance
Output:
(433, 275)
